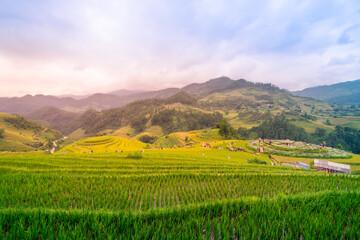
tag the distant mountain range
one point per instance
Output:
(99, 101)
(341, 93)
(346, 93)
(179, 109)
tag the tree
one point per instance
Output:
(327, 122)
(319, 132)
(226, 130)
(2, 132)
(348, 138)
(147, 139)
(243, 132)
(139, 124)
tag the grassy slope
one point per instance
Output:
(15, 139)
(77, 134)
(151, 131)
(353, 122)
(310, 125)
(281, 100)
(125, 132)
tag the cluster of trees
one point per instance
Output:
(2, 132)
(226, 130)
(308, 117)
(139, 124)
(344, 137)
(172, 120)
(20, 122)
(147, 139)
(278, 127)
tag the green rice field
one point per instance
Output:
(184, 193)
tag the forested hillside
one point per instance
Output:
(54, 118)
(172, 114)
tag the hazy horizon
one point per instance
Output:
(84, 47)
(84, 95)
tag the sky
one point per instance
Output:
(86, 46)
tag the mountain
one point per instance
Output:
(217, 84)
(347, 93)
(18, 134)
(100, 101)
(54, 118)
(28, 103)
(243, 93)
(175, 113)
(246, 101)
(125, 92)
(184, 111)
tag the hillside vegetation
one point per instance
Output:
(21, 135)
(164, 112)
(55, 118)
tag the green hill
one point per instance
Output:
(171, 114)
(22, 135)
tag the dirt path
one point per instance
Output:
(55, 144)
(37, 134)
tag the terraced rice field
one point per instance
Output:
(103, 144)
(194, 192)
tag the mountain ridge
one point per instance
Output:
(206, 90)
(346, 93)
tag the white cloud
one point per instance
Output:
(87, 46)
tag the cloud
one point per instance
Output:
(92, 45)
(349, 34)
(342, 60)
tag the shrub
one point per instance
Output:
(256, 161)
(134, 155)
(147, 139)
